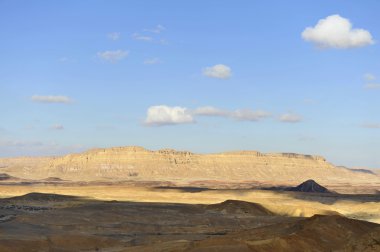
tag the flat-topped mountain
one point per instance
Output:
(137, 163)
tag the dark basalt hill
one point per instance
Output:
(44, 197)
(53, 179)
(5, 176)
(309, 186)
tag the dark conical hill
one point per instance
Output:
(310, 186)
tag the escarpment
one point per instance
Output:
(137, 163)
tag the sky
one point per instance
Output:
(205, 76)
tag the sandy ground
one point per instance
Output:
(53, 222)
(363, 207)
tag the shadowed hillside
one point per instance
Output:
(42, 222)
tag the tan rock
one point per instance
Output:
(137, 163)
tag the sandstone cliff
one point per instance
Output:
(137, 163)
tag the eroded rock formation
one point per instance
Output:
(137, 163)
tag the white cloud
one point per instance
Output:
(249, 115)
(218, 71)
(336, 32)
(165, 115)
(240, 114)
(51, 98)
(211, 111)
(113, 56)
(369, 77)
(57, 127)
(114, 35)
(372, 86)
(290, 118)
(152, 61)
(158, 29)
(138, 36)
(371, 125)
(151, 35)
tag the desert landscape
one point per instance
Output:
(199, 126)
(133, 199)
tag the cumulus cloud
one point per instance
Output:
(152, 35)
(249, 115)
(240, 114)
(290, 118)
(165, 115)
(113, 56)
(114, 35)
(336, 32)
(57, 127)
(218, 71)
(152, 61)
(211, 111)
(369, 77)
(51, 98)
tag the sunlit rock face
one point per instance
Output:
(137, 163)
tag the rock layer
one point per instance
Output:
(137, 163)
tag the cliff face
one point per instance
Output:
(125, 163)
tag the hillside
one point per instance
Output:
(55, 222)
(137, 163)
(309, 186)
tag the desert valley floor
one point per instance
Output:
(152, 217)
(132, 199)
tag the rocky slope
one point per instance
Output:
(52, 222)
(136, 163)
(309, 186)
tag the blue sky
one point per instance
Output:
(204, 76)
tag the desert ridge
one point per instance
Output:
(137, 163)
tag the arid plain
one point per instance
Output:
(133, 199)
